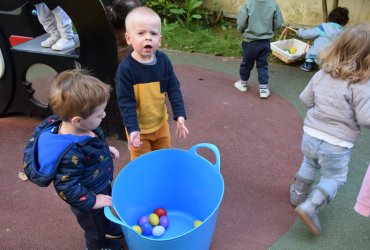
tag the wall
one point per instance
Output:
(300, 13)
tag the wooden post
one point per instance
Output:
(324, 10)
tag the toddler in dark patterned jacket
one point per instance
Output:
(69, 149)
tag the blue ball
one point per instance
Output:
(147, 228)
(34, 12)
(142, 220)
(163, 221)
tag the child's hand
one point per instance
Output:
(181, 130)
(135, 139)
(114, 152)
(102, 200)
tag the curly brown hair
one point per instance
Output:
(339, 15)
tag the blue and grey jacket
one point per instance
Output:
(79, 166)
(259, 19)
(323, 36)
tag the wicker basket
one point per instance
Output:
(281, 48)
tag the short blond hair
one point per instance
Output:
(141, 12)
(76, 93)
(348, 58)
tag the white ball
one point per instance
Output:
(158, 231)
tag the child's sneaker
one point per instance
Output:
(307, 66)
(63, 44)
(241, 85)
(50, 41)
(264, 93)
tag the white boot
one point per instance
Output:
(64, 24)
(308, 210)
(48, 22)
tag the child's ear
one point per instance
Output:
(76, 120)
(128, 38)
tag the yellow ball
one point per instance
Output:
(154, 219)
(292, 50)
(137, 229)
(197, 223)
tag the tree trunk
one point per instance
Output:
(335, 3)
(324, 10)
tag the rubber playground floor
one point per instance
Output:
(259, 142)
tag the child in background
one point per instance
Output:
(70, 150)
(257, 20)
(362, 205)
(324, 35)
(117, 12)
(338, 97)
(143, 80)
(58, 24)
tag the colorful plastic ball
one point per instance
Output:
(197, 223)
(154, 219)
(147, 228)
(137, 229)
(160, 212)
(164, 221)
(142, 220)
(158, 231)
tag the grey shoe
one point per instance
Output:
(299, 190)
(296, 198)
(311, 220)
(308, 211)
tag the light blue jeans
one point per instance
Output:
(331, 160)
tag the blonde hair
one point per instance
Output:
(76, 93)
(139, 13)
(348, 58)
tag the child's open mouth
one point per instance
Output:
(148, 47)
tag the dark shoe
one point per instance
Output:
(113, 236)
(307, 66)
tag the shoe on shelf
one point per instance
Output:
(50, 41)
(307, 66)
(63, 44)
(264, 93)
(241, 85)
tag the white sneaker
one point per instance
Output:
(50, 41)
(63, 44)
(241, 85)
(264, 93)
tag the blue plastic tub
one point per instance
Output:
(184, 183)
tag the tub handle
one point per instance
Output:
(212, 147)
(108, 213)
